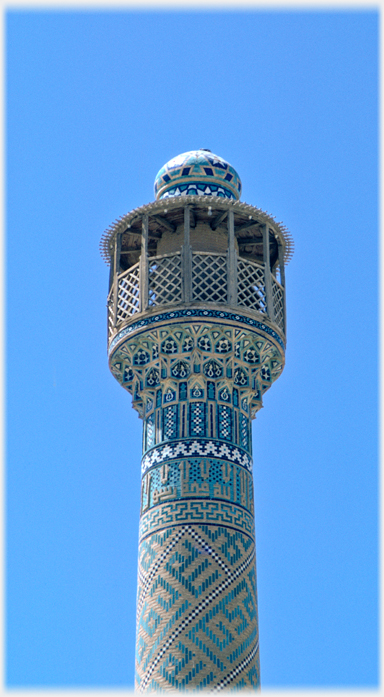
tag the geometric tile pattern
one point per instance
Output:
(197, 610)
(197, 625)
(209, 512)
(198, 189)
(197, 420)
(170, 422)
(197, 447)
(156, 358)
(224, 421)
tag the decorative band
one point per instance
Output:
(199, 512)
(198, 447)
(192, 313)
(197, 188)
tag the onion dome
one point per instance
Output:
(199, 173)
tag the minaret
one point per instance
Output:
(196, 334)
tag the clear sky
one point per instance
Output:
(97, 102)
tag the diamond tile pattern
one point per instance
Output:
(224, 419)
(170, 422)
(197, 610)
(197, 425)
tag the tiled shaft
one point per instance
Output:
(197, 610)
(197, 624)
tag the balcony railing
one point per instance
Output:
(209, 283)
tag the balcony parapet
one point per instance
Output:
(210, 286)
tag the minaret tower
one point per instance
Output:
(196, 334)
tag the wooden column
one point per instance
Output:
(282, 283)
(116, 271)
(111, 271)
(267, 273)
(231, 261)
(143, 288)
(187, 259)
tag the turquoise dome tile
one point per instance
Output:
(197, 173)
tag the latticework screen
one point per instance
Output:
(209, 284)
(278, 303)
(164, 280)
(209, 277)
(128, 293)
(251, 286)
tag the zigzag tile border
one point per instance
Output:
(197, 447)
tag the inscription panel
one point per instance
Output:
(197, 478)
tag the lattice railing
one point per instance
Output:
(209, 284)
(251, 285)
(110, 312)
(209, 277)
(128, 293)
(164, 280)
(278, 303)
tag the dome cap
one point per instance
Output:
(199, 173)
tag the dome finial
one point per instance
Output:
(199, 173)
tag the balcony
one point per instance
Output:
(211, 282)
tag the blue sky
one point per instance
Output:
(96, 103)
